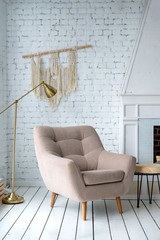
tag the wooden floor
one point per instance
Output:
(34, 219)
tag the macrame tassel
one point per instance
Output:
(36, 74)
(72, 72)
(56, 78)
(33, 73)
(54, 63)
(54, 102)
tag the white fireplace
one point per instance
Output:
(140, 92)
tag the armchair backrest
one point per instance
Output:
(81, 144)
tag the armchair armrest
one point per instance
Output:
(127, 163)
(61, 175)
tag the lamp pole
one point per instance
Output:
(50, 91)
(14, 145)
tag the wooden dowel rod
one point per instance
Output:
(61, 50)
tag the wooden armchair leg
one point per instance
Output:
(53, 199)
(119, 205)
(84, 205)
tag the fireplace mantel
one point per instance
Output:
(140, 99)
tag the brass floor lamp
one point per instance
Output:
(50, 91)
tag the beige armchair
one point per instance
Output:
(73, 163)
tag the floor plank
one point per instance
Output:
(5, 208)
(25, 218)
(69, 223)
(54, 221)
(11, 217)
(84, 228)
(101, 224)
(148, 224)
(133, 225)
(154, 210)
(118, 230)
(33, 232)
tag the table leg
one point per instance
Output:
(152, 188)
(150, 193)
(139, 186)
(158, 182)
(138, 191)
(148, 188)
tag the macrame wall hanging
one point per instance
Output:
(62, 78)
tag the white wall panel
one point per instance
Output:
(130, 136)
(150, 111)
(130, 111)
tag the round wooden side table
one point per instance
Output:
(147, 169)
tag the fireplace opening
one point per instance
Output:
(156, 145)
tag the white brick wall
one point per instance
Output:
(35, 26)
(3, 91)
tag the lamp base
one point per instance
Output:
(12, 198)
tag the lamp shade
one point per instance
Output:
(49, 90)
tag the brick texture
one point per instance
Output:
(3, 90)
(36, 26)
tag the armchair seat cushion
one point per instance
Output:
(95, 177)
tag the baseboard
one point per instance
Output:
(143, 197)
(29, 184)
